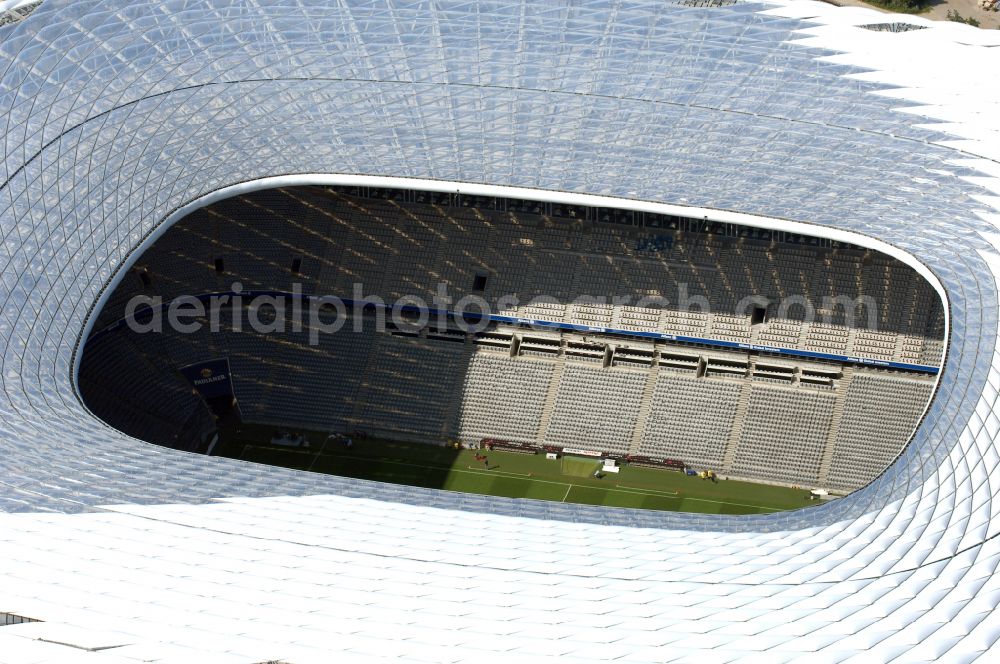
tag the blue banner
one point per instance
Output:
(556, 325)
(211, 378)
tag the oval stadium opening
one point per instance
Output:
(521, 348)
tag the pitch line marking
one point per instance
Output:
(569, 486)
(637, 488)
(483, 472)
(318, 454)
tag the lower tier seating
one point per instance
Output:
(783, 436)
(503, 398)
(690, 419)
(596, 408)
(894, 407)
(733, 412)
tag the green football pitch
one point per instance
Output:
(569, 479)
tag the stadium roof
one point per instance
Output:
(119, 116)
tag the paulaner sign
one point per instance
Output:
(210, 378)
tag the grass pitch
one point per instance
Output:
(569, 479)
(578, 466)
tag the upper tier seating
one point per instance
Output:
(396, 249)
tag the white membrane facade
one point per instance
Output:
(118, 113)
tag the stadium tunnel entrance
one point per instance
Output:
(421, 327)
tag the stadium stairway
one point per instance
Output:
(450, 427)
(550, 398)
(645, 406)
(332, 258)
(838, 414)
(741, 411)
(356, 419)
